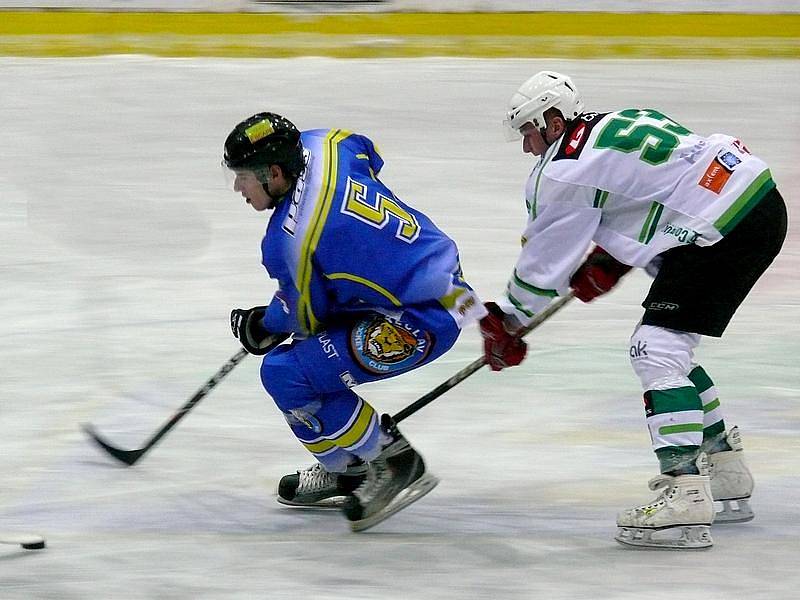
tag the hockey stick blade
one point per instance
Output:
(128, 457)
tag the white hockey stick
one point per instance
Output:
(29, 541)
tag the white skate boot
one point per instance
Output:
(679, 518)
(731, 482)
(315, 487)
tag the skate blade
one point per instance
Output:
(336, 502)
(692, 537)
(409, 495)
(734, 511)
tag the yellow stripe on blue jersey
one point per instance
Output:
(370, 284)
(305, 312)
(449, 300)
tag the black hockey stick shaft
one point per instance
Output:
(130, 457)
(476, 365)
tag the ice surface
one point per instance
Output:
(122, 254)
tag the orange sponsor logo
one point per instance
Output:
(715, 177)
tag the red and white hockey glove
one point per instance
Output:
(598, 274)
(501, 348)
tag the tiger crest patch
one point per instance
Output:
(383, 345)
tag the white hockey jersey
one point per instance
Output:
(636, 183)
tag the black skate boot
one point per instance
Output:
(316, 487)
(395, 479)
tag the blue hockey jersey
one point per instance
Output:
(341, 241)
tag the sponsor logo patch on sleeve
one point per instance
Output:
(729, 159)
(719, 171)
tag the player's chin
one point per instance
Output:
(254, 205)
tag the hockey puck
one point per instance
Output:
(33, 545)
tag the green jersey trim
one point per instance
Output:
(532, 288)
(518, 305)
(548, 156)
(600, 197)
(650, 225)
(737, 211)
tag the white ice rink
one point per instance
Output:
(123, 253)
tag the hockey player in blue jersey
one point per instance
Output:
(368, 288)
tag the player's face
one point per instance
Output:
(532, 140)
(252, 190)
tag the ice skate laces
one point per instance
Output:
(315, 479)
(663, 483)
(378, 474)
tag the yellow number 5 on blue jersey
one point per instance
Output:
(377, 210)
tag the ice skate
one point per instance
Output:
(395, 479)
(316, 487)
(679, 518)
(731, 482)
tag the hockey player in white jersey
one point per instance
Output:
(701, 214)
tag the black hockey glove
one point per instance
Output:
(254, 337)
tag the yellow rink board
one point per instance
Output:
(491, 35)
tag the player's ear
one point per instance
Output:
(558, 125)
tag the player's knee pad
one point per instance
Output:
(662, 358)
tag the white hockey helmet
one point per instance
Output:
(546, 89)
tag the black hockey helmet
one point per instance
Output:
(262, 140)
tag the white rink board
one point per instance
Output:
(123, 254)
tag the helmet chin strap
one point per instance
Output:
(542, 130)
(275, 201)
(265, 187)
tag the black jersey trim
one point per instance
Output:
(576, 135)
